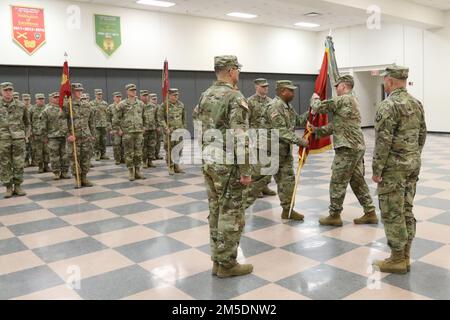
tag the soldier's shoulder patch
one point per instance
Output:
(243, 103)
(379, 117)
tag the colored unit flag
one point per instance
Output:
(165, 80)
(65, 89)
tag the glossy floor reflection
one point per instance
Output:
(148, 239)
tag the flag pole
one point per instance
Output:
(169, 156)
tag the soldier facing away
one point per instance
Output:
(222, 107)
(14, 122)
(400, 133)
(349, 146)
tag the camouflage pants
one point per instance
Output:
(84, 154)
(226, 212)
(100, 141)
(285, 180)
(396, 195)
(28, 152)
(41, 152)
(348, 167)
(173, 144)
(118, 149)
(159, 137)
(58, 154)
(11, 161)
(148, 149)
(259, 182)
(133, 149)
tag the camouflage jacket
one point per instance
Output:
(100, 113)
(258, 106)
(83, 119)
(283, 117)
(35, 119)
(346, 122)
(113, 111)
(400, 133)
(130, 116)
(222, 107)
(54, 121)
(14, 120)
(150, 115)
(176, 118)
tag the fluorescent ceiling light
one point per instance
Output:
(156, 3)
(242, 15)
(307, 24)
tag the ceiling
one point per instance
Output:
(279, 13)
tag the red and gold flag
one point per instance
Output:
(165, 80)
(65, 89)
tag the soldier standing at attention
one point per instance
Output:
(222, 107)
(349, 146)
(113, 110)
(16, 96)
(40, 148)
(282, 116)
(14, 122)
(159, 133)
(55, 132)
(400, 133)
(150, 131)
(130, 120)
(100, 108)
(83, 121)
(175, 119)
(26, 100)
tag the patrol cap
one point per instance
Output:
(26, 96)
(7, 85)
(153, 95)
(54, 94)
(84, 96)
(397, 72)
(16, 94)
(117, 94)
(261, 82)
(39, 96)
(285, 84)
(143, 92)
(226, 61)
(98, 91)
(130, 86)
(346, 78)
(77, 86)
(173, 91)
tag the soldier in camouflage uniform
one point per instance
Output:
(159, 133)
(55, 132)
(130, 119)
(257, 104)
(100, 108)
(26, 100)
(400, 133)
(83, 121)
(349, 146)
(222, 107)
(16, 96)
(150, 113)
(113, 109)
(14, 122)
(175, 119)
(40, 148)
(282, 116)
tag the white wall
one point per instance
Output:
(368, 91)
(189, 43)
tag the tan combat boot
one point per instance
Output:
(150, 164)
(97, 157)
(236, 270)
(178, 169)
(104, 157)
(330, 220)
(408, 256)
(396, 263)
(85, 182)
(46, 167)
(64, 175)
(9, 192)
(215, 268)
(171, 171)
(41, 168)
(18, 191)
(138, 174)
(268, 192)
(145, 166)
(131, 176)
(294, 215)
(367, 218)
(56, 175)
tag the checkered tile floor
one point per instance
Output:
(149, 239)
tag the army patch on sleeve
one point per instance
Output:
(379, 117)
(243, 104)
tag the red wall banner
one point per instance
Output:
(28, 27)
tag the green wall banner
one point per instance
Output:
(107, 33)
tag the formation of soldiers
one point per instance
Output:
(42, 134)
(136, 127)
